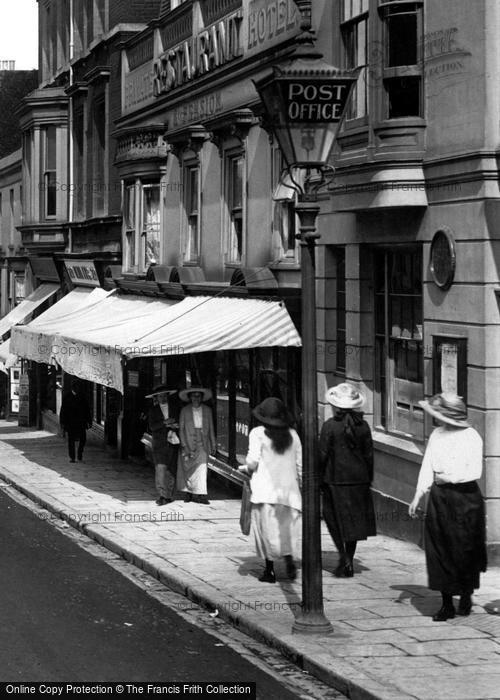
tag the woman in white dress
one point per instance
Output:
(455, 546)
(274, 460)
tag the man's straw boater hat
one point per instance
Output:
(447, 408)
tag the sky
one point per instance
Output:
(19, 32)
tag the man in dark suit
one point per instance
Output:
(75, 418)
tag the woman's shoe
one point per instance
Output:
(348, 570)
(464, 607)
(291, 569)
(444, 614)
(268, 577)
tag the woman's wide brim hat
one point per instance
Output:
(447, 408)
(345, 396)
(272, 412)
(206, 393)
(161, 389)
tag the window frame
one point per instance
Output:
(191, 216)
(351, 20)
(386, 343)
(48, 172)
(411, 71)
(135, 237)
(234, 255)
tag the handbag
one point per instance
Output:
(246, 508)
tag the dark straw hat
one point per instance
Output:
(272, 412)
(447, 408)
(205, 393)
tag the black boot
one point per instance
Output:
(291, 569)
(446, 611)
(465, 605)
(268, 576)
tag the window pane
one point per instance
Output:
(402, 39)
(222, 413)
(50, 194)
(151, 224)
(404, 97)
(51, 148)
(237, 183)
(193, 190)
(130, 252)
(129, 207)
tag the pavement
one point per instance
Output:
(384, 644)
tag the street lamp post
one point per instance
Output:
(304, 101)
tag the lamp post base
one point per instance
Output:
(312, 623)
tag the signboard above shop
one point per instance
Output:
(82, 273)
(247, 28)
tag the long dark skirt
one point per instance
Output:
(455, 540)
(348, 512)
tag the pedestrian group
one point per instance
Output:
(183, 440)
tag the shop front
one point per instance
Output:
(242, 348)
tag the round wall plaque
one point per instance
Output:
(443, 258)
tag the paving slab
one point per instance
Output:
(384, 644)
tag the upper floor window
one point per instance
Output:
(141, 225)
(355, 38)
(49, 160)
(79, 161)
(89, 20)
(192, 195)
(234, 192)
(100, 175)
(403, 41)
(151, 224)
(284, 217)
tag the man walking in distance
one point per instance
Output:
(75, 418)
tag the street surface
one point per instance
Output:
(67, 614)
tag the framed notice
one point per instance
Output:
(449, 359)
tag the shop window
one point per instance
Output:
(355, 39)
(99, 404)
(232, 415)
(49, 155)
(341, 310)
(234, 190)
(192, 197)
(399, 341)
(403, 30)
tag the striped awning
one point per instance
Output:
(92, 342)
(25, 309)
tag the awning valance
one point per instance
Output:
(92, 342)
(23, 311)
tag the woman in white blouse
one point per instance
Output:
(455, 546)
(274, 460)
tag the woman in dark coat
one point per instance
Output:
(346, 462)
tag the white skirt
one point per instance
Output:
(276, 529)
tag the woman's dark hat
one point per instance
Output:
(206, 393)
(447, 408)
(161, 389)
(272, 412)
